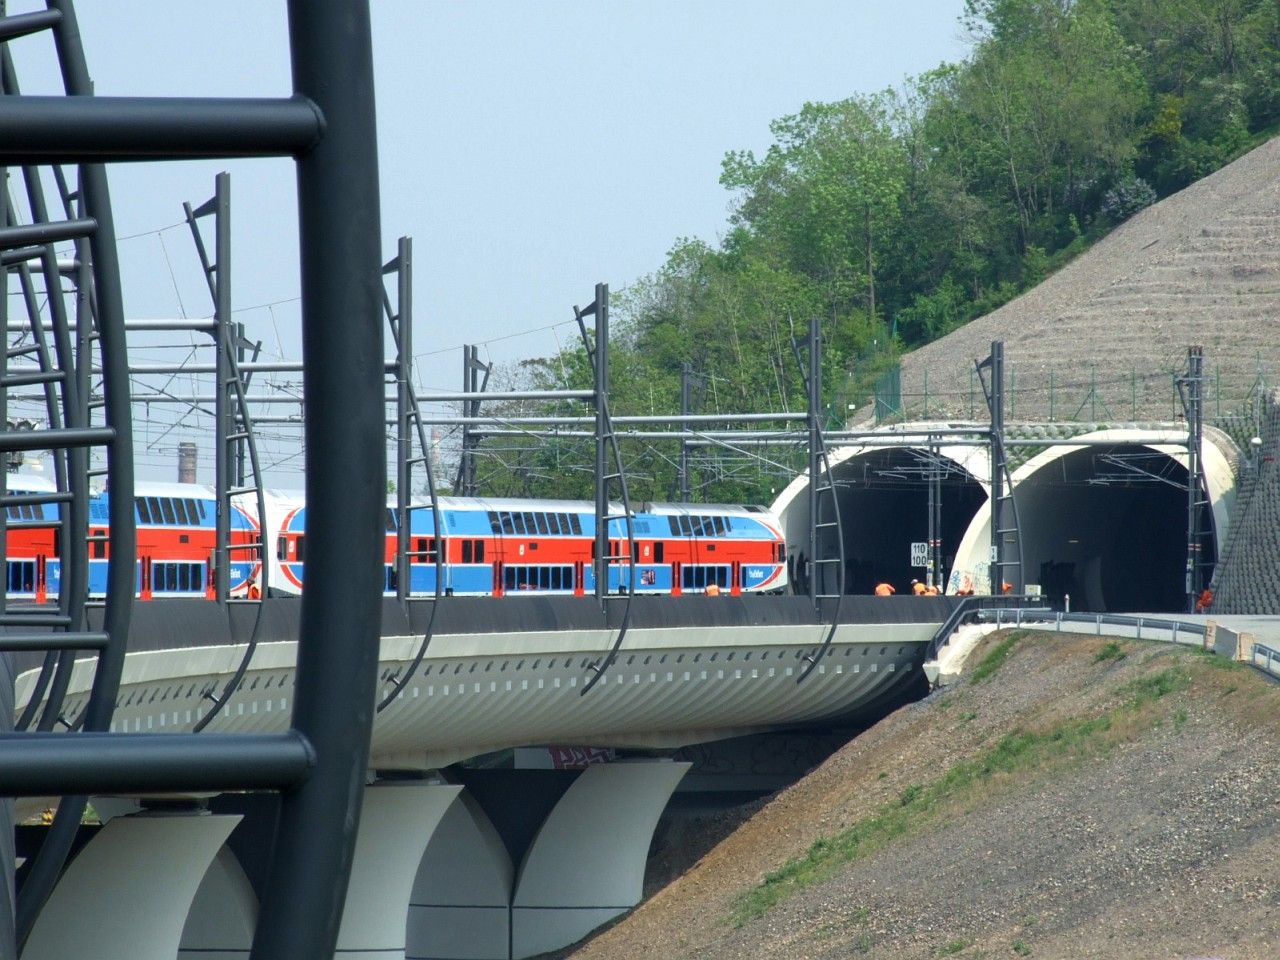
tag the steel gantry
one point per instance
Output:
(318, 766)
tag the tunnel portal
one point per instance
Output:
(884, 508)
(1107, 526)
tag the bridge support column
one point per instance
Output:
(223, 915)
(461, 902)
(398, 821)
(128, 893)
(586, 865)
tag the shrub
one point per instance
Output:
(1126, 198)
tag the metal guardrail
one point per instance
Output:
(1266, 659)
(969, 608)
(1226, 642)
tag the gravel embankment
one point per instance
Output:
(1157, 837)
(1200, 267)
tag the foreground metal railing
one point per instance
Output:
(327, 126)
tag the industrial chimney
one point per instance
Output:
(186, 462)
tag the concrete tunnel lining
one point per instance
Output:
(1129, 538)
(1095, 528)
(883, 497)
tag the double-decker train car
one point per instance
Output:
(33, 568)
(497, 547)
(176, 530)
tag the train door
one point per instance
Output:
(144, 588)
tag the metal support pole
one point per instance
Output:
(222, 423)
(686, 399)
(404, 411)
(997, 464)
(8, 885)
(815, 454)
(1191, 389)
(933, 576)
(601, 356)
(342, 325)
(465, 473)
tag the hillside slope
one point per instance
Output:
(1200, 267)
(1088, 799)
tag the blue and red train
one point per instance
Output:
(487, 547)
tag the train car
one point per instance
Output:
(509, 547)
(176, 532)
(33, 568)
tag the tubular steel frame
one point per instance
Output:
(327, 126)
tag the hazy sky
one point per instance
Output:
(530, 149)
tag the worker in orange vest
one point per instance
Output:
(932, 591)
(918, 588)
(1006, 587)
(254, 592)
(885, 590)
(713, 589)
(1204, 601)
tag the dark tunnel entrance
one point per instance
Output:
(884, 508)
(1107, 526)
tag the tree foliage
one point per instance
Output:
(892, 218)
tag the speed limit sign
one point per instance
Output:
(920, 554)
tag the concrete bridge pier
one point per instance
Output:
(127, 895)
(584, 866)
(432, 877)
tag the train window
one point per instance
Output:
(658, 551)
(540, 520)
(529, 525)
(635, 552)
(391, 519)
(728, 524)
(99, 546)
(282, 547)
(493, 521)
(719, 526)
(203, 508)
(298, 546)
(576, 522)
(166, 510)
(144, 512)
(553, 524)
(22, 576)
(479, 551)
(466, 551)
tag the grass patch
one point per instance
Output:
(1156, 686)
(954, 947)
(994, 660)
(1111, 651)
(1021, 949)
(1014, 759)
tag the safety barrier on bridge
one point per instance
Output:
(1266, 659)
(1208, 635)
(1009, 611)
